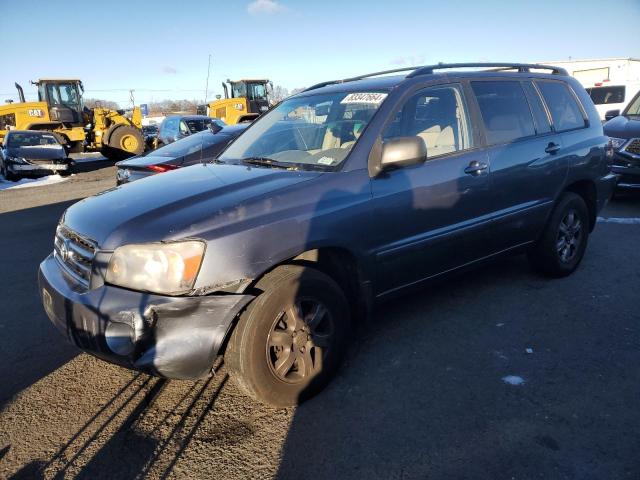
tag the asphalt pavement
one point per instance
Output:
(496, 374)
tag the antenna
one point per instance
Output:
(206, 88)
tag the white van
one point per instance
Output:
(611, 82)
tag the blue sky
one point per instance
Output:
(160, 48)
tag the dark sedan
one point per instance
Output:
(31, 152)
(199, 147)
(624, 132)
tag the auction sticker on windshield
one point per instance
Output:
(369, 98)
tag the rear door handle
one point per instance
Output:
(552, 148)
(475, 168)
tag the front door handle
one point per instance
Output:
(476, 168)
(552, 148)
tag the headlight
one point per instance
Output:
(17, 159)
(169, 268)
(616, 143)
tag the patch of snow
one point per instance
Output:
(513, 380)
(31, 182)
(620, 220)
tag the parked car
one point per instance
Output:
(32, 152)
(175, 127)
(197, 148)
(624, 131)
(342, 196)
(150, 133)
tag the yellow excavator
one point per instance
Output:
(244, 100)
(60, 109)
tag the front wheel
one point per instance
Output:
(291, 339)
(4, 171)
(561, 247)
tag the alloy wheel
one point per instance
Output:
(569, 236)
(299, 339)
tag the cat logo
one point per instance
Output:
(35, 112)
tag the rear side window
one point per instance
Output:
(564, 108)
(607, 95)
(537, 108)
(505, 111)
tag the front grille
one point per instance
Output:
(634, 147)
(75, 254)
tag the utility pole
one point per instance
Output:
(206, 88)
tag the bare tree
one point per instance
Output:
(96, 102)
(279, 93)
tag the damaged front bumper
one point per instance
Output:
(171, 337)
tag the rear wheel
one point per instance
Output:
(564, 240)
(291, 339)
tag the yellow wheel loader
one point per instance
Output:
(60, 109)
(244, 101)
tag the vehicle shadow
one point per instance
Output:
(90, 164)
(141, 431)
(31, 346)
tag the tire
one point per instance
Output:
(564, 240)
(125, 141)
(272, 353)
(11, 177)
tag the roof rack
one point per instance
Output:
(520, 67)
(360, 77)
(429, 69)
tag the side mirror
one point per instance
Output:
(402, 152)
(611, 114)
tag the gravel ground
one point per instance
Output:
(424, 393)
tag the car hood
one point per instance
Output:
(187, 202)
(623, 127)
(51, 152)
(145, 161)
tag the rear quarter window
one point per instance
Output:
(562, 103)
(505, 111)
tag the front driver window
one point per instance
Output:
(438, 116)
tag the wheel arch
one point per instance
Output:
(339, 263)
(587, 190)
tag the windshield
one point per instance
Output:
(238, 89)
(19, 140)
(189, 145)
(634, 106)
(314, 130)
(197, 124)
(63, 94)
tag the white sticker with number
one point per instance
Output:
(369, 98)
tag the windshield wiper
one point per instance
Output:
(268, 162)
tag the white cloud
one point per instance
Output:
(270, 7)
(168, 69)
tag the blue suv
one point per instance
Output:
(344, 195)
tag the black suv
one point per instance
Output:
(341, 196)
(624, 131)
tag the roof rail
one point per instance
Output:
(429, 69)
(521, 67)
(359, 77)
